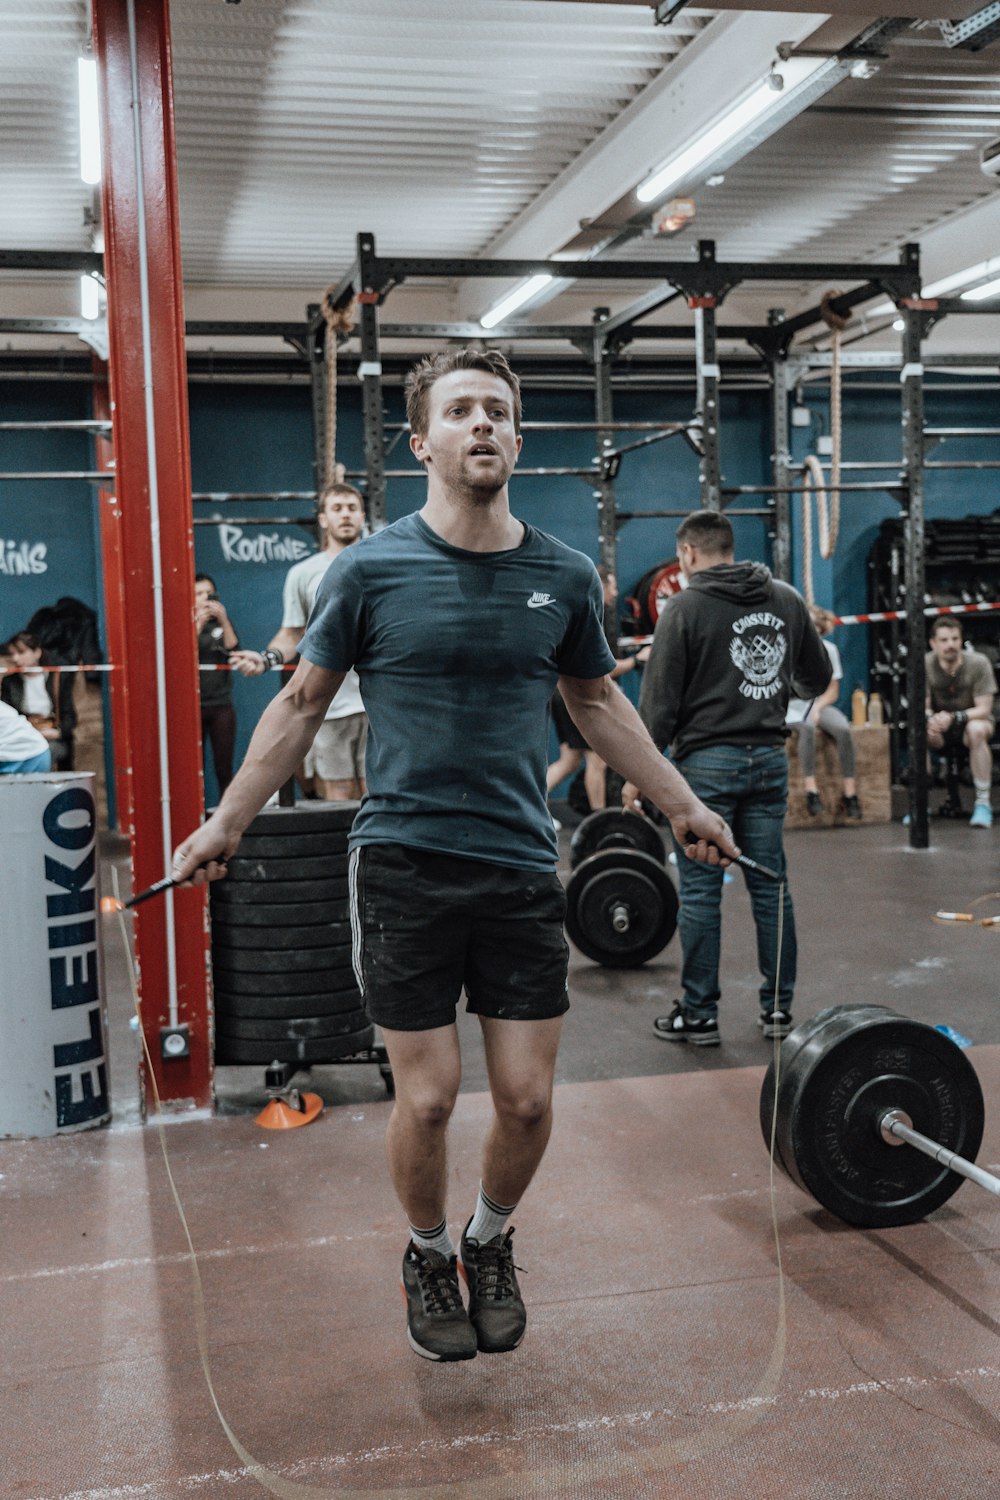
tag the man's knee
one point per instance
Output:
(977, 732)
(427, 1108)
(525, 1107)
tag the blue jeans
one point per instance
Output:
(748, 785)
(40, 762)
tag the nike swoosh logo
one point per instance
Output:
(539, 603)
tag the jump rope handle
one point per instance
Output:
(746, 862)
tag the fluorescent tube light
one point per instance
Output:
(977, 294)
(762, 100)
(90, 125)
(951, 283)
(90, 298)
(961, 278)
(515, 299)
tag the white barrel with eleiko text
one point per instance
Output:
(53, 1032)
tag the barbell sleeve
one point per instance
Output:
(894, 1126)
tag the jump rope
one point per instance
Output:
(732, 1424)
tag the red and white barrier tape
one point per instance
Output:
(113, 667)
(871, 619)
(900, 614)
(629, 640)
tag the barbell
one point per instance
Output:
(621, 903)
(856, 1085)
(613, 828)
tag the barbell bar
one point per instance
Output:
(896, 1127)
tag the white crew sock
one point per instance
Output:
(982, 792)
(489, 1218)
(437, 1238)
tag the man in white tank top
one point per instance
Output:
(334, 769)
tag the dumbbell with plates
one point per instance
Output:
(878, 1116)
(621, 903)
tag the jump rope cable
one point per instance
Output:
(782, 1326)
(545, 1480)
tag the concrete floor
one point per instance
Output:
(661, 1359)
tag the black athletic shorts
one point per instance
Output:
(425, 925)
(566, 730)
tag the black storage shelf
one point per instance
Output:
(962, 561)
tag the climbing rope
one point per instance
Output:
(813, 480)
(338, 320)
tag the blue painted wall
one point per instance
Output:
(49, 525)
(259, 438)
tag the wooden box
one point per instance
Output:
(871, 749)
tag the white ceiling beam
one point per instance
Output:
(731, 54)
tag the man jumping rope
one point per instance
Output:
(459, 620)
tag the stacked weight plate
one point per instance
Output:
(281, 942)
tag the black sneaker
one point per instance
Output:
(814, 804)
(775, 1023)
(680, 1027)
(851, 808)
(496, 1309)
(437, 1324)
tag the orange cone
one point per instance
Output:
(279, 1114)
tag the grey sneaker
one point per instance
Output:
(775, 1023)
(680, 1027)
(437, 1325)
(496, 1309)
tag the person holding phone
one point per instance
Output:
(216, 638)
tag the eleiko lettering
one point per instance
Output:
(81, 1081)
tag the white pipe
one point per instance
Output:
(154, 515)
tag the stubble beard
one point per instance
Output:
(482, 494)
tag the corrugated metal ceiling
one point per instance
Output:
(432, 124)
(437, 125)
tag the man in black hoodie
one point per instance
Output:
(715, 691)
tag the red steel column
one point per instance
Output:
(150, 422)
(110, 513)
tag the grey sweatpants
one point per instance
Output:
(833, 723)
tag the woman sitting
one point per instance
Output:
(822, 713)
(37, 691)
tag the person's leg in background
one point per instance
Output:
(567, 763)
(758, 828)
(218, 727)
(716, 775)
(595, 781)
(834, 723)
(806, 733)
(334, 748)
(40, 762)
(977, 736)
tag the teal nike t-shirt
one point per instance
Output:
(458, 655)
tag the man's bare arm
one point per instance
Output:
(611, 726)
(286, 729)
(286, 643)
(982, 708)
